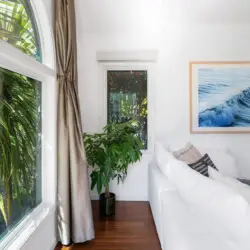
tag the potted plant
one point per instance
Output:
(109, 154)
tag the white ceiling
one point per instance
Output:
(103, 16)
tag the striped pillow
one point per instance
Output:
(202, 164)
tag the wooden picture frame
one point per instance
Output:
(219, 97)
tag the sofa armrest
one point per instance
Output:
(162, 183)
(158, 186)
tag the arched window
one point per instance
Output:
(18, 27)
(27, 103)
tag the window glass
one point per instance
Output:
(18, 27)
(127, 99)
(20, 147)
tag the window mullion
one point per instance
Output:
(15, 60)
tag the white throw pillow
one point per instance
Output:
(222, 159)
(224, 162)
(217, 202)
(236, 185)
(162, 157)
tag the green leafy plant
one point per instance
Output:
(17, 28)
(19, 128)
(19, 116)
(111, 152)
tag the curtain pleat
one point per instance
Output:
(75, 221)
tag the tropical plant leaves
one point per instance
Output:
(19, 115)
(19, 127)
(2, 208)
(111, 152)
(17, 27)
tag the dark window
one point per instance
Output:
(127, 99)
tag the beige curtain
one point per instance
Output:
(74, 206)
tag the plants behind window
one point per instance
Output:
(18, 27)
(127, 99)
(20, 120)
(20, 147)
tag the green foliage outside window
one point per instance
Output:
(127, 99)
(18, 28)
(20, 138)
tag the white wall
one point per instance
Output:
(44, 237)
(49, 6)
(181, 31)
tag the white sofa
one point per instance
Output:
(181, 226)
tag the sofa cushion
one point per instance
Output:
(162, 157)
(222, 159)
(188, 154)
(186, 229)
(245, 181)
(216, 201)
(236, 185)
(202, 164)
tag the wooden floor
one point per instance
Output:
(132, 228)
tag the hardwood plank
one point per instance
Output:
(132, 228)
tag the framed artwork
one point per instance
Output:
(220, 97)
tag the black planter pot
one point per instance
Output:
(107, 205)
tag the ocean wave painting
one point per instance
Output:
(223, 96)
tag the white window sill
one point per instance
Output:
(22, 232)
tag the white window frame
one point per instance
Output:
(130, 60)
(15, 60)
